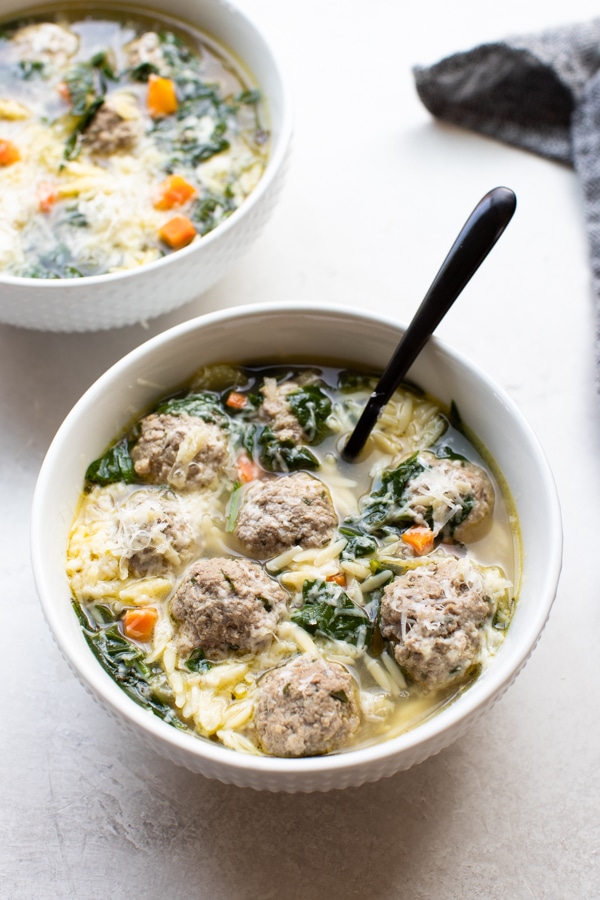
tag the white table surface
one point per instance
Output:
(376, 194)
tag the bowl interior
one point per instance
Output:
(249, 334)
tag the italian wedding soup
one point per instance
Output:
(123, 138)
(240, 580)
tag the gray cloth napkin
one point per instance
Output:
(540, 92)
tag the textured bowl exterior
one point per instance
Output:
(276, 331)
(137, 295)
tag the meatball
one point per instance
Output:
(155, 533)
(459, 495)
(276, 412)
(433, 615)
(281, 512)
(226, 604)
(182, 451)
(305, 708)
(46, 43)
(108, 132)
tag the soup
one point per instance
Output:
(239, 579)
(123, 138)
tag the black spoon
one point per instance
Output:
(479, 234)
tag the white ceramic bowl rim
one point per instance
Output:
(490, 684)
(274, 162)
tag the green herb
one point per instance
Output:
(312, 407)
(383, 505)
(204, 405)
(234, 507)
(328, 610)
(115, 465)
(197, 661)
(248, 97)
(143, 71)
(28, 68)
(146, 684)
(211, 209)
(358, 544)
(284, 456)
(342, 696)
(87, 83)
(349, 381)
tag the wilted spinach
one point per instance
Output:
(328, 610)
(284, 456)
(311, 406)
(203, 405)
(113, 466)
(146, 684)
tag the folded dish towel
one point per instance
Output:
(538, 91)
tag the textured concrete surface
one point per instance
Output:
(376, 194)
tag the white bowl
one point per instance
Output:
(117, 299)
(273, 332)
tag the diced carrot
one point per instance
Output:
(63, 89)
(46, 196)
(173, 191)
(9, 153)
(178, 232)
(420, 538)
(236, 400)
(162, 99)
(247, 469)
(338, 578)
(139, 623)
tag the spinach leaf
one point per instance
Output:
(311, 406)
(28, 68)
(115, 465)
(327, 610)
(146, 684)
(143, 71)
(383, 505)
(203, 405)
(349, 381)
(284, 456)
(197, 661)
(87, 83)
(358, 544)
(210, 209)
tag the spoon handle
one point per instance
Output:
(477, 237)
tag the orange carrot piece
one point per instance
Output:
(9, 153)
(63, 90)
(236, 400)
(162, 99)
(173, 191)
(46, 196)
(178, 232)
(139, 623)
(338, 578)
(420, 538)
(247, 469)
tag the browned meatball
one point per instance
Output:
(276, 412)
(146, 49)
(458, 493)
(157, 534)
(182, 451)
(433, 615)
(109, 133)
(306, 708)
(281, 512)
(226, 604)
